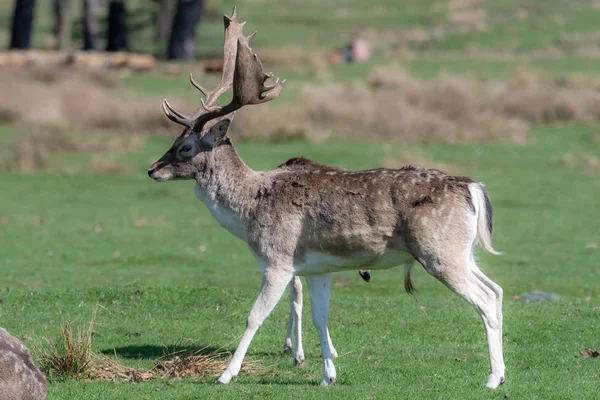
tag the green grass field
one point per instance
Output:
(155, 262)
(71, 242)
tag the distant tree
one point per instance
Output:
(62, 28)
(91, 28)
(20, 37)
(163, 19)
(117, 26)
(182, 43)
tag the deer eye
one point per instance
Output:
(186, 148)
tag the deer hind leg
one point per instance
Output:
(494, 287)
(319, 287)
(476, 289)
(272, 287)
(293, 340)
(289, 335)
(295, 298)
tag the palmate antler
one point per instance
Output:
(242, 71)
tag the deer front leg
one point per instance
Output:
(319, 287)
(273, 285)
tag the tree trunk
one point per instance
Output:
(182, 44)
(91, 28)
(165, 9)
(63, 24)
(20, 37)
(117, 27)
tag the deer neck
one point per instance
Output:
(224, 183)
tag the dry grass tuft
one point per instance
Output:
(71, 354)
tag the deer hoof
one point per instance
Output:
(327, 381)
(287, 346)
(225, 378)
(299, 362)
(494, 381)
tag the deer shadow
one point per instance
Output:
(150, 352)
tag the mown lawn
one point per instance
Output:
(132, 246)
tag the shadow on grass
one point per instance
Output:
(149, 352)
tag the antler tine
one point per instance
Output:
(209, 108)
(176, 116)
(197, 86)
(233, 14)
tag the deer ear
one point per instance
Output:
(218, 131)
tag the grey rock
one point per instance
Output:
(20, 378)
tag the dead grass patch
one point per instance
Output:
(71, 355)
(391, 105)
(31, 151)
(294, 58)
(467, 14)
(387, 105)
(461, 4)
(475, 17)
(72, 99)
(586, 163)
(203, 363)
(104, 164)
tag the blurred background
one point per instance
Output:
(504, 91)
(415, 71)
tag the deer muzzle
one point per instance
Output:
(157, 173)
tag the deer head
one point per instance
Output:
(207, 128)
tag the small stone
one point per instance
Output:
(590, 353)
(538, 296)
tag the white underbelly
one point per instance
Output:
(315, 263)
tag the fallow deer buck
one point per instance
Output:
(310, 221)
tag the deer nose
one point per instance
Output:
(153, 168)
